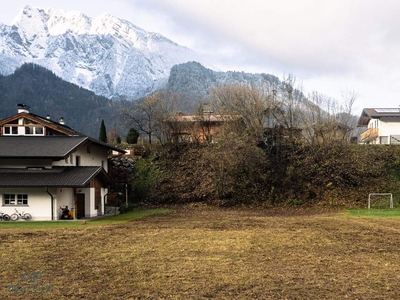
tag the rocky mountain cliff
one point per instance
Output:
(110, 56)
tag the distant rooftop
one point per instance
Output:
(376, 113)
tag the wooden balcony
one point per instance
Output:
(369, 135)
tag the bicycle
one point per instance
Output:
(17, 215)
(4, 217)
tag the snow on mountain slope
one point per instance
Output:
(107, 55)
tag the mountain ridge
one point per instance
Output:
(47, 94)
(108, 55)
(194, 82)
(111, 57)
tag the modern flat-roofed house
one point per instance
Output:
(45, 164)
(382, 125)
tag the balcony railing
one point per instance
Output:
(369, 135)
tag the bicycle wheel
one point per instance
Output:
(6, 217)
(14, 217)
(27, 216)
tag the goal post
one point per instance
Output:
(389, 195)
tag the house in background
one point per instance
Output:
(45, 164)
(382, 125)
(200, 128)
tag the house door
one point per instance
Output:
(80, 205)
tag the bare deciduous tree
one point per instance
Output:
(248, 102)
(287, 103)
(149, 115)
(326, 119)
(113, 137)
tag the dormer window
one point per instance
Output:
(39, 130)
(23, 130)
(33, 130)
(11, 130)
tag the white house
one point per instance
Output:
(382, 125)
(46, 164)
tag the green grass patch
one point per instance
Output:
(381, 213)
(109, 220)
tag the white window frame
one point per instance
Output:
(15, 200)
(10, 128)
(10, 198)
(22, 199)
(21, 130)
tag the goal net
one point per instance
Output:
(380, 200)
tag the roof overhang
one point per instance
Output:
(377, 113)
(61, 128)
(54, 147)
(78, 177)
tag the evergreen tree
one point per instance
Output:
(132, 136)
(103, 132)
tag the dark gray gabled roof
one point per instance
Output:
(56, 147)
(98, 142)
(55, 177)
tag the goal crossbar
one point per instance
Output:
(380, 194)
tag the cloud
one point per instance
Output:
(329, 45)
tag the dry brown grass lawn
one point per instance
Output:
(207, 254)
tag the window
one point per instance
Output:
(39, 130)
(9, 199)
(77, 161)
(34, 130)
(12, 130)
(22, 199)
(12, 199)
(23, 130)
(28, 130)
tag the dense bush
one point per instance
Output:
(148, 172)
(124, 208)
(335, 174)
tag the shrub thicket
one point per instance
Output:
(335, 174)
(148, 172)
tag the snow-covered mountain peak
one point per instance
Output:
(57, 22)
(26, 12)
(30, 24)
(60, 22)
(108, 55)
(110, 25)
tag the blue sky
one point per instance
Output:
(330, 46)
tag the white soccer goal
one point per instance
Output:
(380, 197)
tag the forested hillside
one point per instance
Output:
(194, 82)
(47, 94)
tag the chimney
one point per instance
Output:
(22, 108)
(62, 122)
